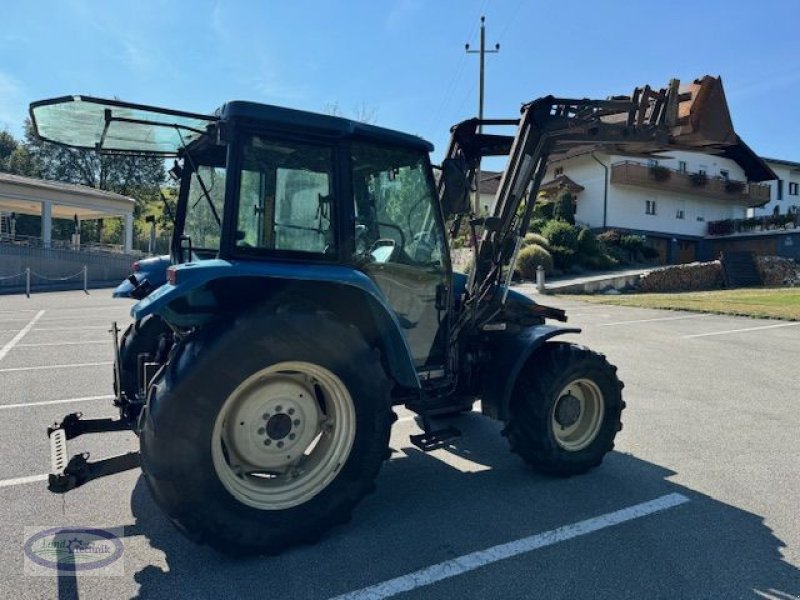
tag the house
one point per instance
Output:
(670, 198)
(784, 191)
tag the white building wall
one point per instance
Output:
(626, 207)
(788, 175)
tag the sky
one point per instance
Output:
(403, 62)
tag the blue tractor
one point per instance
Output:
(310, 291)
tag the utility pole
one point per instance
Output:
(483, 51)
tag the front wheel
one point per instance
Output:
(565, 410)
(268, 436)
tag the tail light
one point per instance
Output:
(172, 275)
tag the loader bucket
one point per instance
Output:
(694, 116)
(703, 118)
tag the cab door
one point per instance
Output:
(400, 244)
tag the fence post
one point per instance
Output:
(85, 279)
(540, 279)
(28, 282)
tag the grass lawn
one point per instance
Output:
(773, 303)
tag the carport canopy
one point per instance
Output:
(53, 199)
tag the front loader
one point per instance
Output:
(311, 290)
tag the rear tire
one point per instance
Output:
(141, 337)
(565, 410)
(218, 480)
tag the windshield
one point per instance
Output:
(395, 206)
(205, 200)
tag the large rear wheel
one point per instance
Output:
(268, 436)
(565, 410)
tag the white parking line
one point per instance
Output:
(475, 560)
(45, 367)
(22, 480)
(79, 343)
(64, 401)
(86, 328)
(13, 342)
(762, 327)
(654, 320)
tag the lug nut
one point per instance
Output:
(296, 422)
(267, 442)
(278, 408)
(265, 416)
(280, 444)
(290, 411)
(292, 436)
(261, 431)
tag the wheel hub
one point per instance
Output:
(271, 426)
(577, 415)
(568, 410)
(278, 426)
(283, 435)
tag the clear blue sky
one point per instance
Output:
(405, 59)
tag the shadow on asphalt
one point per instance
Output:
(426, 511)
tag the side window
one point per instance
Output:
(203, 214)
(395, 206)
(286, 197)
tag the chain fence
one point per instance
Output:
(29, 276)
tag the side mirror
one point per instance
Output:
(455, 194)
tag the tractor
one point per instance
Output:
(310, 290)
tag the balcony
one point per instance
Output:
(771, 223)
(694, 184)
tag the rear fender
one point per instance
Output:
(509, 353)
(209, 289)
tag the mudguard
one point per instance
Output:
(510, 351)
(191, 278)
(153, 269)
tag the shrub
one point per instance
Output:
(537, 225)
(564, 209)
(631, 243)
(563, 257)
(530, 257)
(600, 262)
(698, 179)
(649, 252)
(559, 233)
(543, 210)
(610, 237)
(587, 243)
(660, 173)
(535, 238)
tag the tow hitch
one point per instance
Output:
(68, 474)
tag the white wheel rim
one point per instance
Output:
(282, 436)
(577, 414)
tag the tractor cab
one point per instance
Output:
(279, 196)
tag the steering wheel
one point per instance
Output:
(400, 231)
(383, 250)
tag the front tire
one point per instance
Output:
(565, 410)
(269, 435)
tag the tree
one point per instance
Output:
(362, 113)
(564, 209)
(138, 176)
(7, 146)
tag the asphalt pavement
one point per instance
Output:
(700, 498)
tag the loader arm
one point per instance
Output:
(693, 117)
